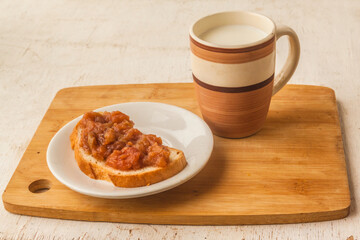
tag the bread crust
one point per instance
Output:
(134, 178)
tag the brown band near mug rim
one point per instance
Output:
(232, 50)
(232, 56)
(234, 89)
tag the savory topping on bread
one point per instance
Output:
(108, 147)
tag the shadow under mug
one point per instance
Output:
(235, 83)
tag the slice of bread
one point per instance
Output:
(97, 169)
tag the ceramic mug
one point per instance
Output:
(235, 83)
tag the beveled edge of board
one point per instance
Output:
(182, 219)
(185, 84)
(177, 84)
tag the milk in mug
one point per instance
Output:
(234, 34)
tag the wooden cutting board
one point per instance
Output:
(292, 171)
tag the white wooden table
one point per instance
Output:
(49, 45)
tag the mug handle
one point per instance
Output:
(292, 60)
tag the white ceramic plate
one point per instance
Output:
(178, 128)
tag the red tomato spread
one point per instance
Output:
(111, 137)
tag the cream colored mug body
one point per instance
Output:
(235, 83)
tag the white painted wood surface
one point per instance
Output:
(49, 45)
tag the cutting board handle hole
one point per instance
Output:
(40, 186)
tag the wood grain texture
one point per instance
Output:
(234, 115)
(232, 56)
(292, 171)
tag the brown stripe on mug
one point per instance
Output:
(237, 114)
(234, 89)
(232, 56)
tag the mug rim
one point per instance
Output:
(267, 38)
